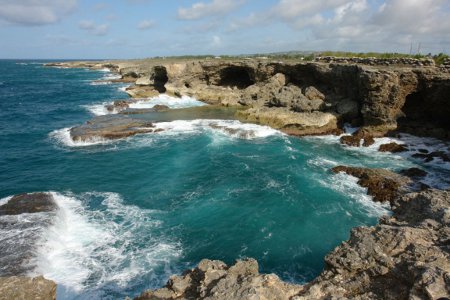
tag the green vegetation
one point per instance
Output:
(309, 56)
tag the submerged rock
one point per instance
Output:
(110, 127)
(17, 287)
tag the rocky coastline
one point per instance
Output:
(405, 256)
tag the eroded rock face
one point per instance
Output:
(17, 287)
(401, 96)
(300, 124)
(110, 127)
(213, 279)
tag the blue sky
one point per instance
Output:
(146, 28)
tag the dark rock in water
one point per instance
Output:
(414, 172)
(354, 140)
(392, 147)
(110, 127)
(37, 288)
(118, 105)
(213, 279)
(160, 107)
(28, 203)
(427, 157)
(382, 184)
(22, 221)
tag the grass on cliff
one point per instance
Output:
(438, 58)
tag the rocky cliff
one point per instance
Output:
(305, 98)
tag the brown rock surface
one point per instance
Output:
(213, 279)
(28, 203)
(382, 184)
(392, 147)
(17, 287)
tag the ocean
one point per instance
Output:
(134, 211)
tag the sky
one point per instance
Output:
(82, 29)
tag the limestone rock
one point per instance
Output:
(110, 127)
(214, 280)
(17, 287)
(290, 122)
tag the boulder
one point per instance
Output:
(392, 147)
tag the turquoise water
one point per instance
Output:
(137, 210)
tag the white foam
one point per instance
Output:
(89, 249)
(5, 200)
(172, 102)
(100, 82)
(98, 109)
(62, 137)
(229, 128)
(348, 186)
(123, 88)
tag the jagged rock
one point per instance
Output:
(356, 138)
(37, 288)
(299, 124)
(384, 99)
(382, 184)
(110, 127)
(214, 280)
(392, 147)
(28, 203)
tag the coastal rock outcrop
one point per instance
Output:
(18, 287)
(382, 184)
(110, 127)
(404, 257)
(213, 279)
(381, 96)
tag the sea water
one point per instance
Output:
(134, 211)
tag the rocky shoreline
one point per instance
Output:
(405, 256)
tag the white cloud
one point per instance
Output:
(201, 10)
(146, 24)
(35, 12)
(93, 28)
(389, 25)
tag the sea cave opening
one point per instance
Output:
(160, 78)
(236, 76)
